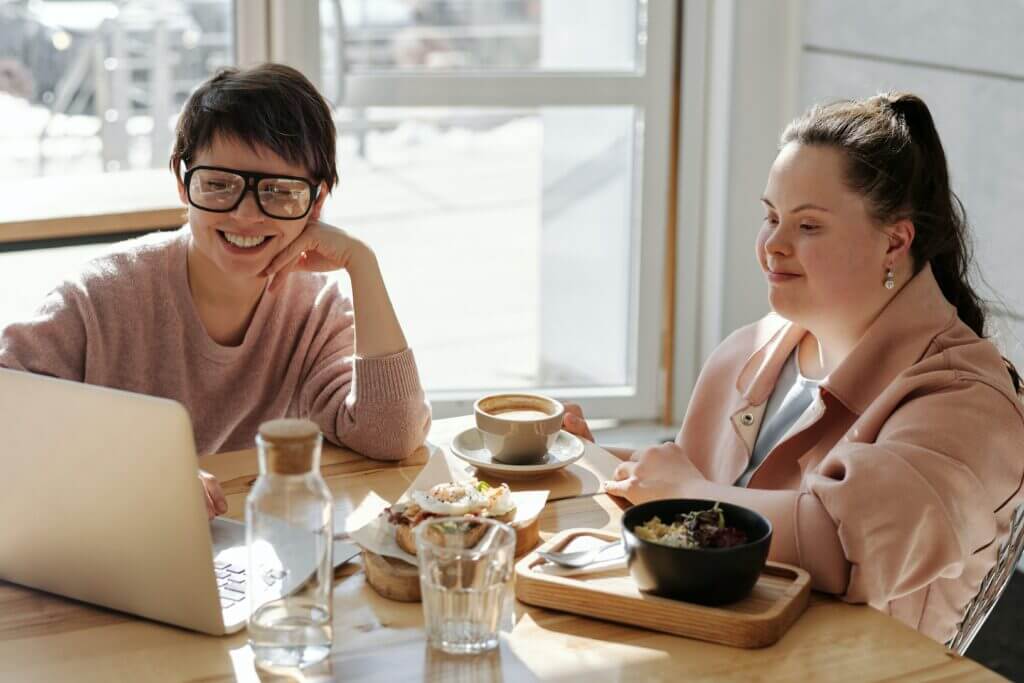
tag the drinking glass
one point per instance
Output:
(466, 575)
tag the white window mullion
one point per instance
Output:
(294, 30)
(252, 32)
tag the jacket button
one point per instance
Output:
(747, 419)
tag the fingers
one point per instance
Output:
(283, 258)
(299, 263)
(279, 267)
(577, 426)
(211, 511)
(622, 488)
(220, 503)
(574, 422)
(573, 409)
(216, 502)
(625, 470)
(296, 250)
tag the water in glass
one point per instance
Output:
(466, 573)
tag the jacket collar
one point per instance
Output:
(897, 339)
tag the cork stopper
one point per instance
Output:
(290, 445)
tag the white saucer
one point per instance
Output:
(468, 446)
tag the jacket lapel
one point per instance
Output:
(754, 384)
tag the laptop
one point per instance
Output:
(101, 502)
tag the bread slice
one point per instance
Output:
(405, 538)
(405, 534)
(506, 518)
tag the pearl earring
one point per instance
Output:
(890, 278)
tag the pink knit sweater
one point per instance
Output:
(128, 321)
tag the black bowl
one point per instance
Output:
(707, 576)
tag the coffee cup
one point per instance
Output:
(518, 429)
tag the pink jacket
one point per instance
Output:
(897, 487)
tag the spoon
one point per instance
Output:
(579, 558)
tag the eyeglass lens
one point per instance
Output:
(278, 197)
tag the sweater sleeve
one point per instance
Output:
(54, 339)
(375, 406)
(914, 505)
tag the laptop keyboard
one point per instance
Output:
(231, 580)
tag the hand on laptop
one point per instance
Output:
(216, 503)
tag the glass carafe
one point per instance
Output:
(289, 535)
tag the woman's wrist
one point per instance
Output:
(378, 332)
(694, 487)
(363, 259)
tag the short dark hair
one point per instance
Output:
(271, 106)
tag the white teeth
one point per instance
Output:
(244, 242)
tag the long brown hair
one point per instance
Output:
(895, 160)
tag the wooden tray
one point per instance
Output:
(778, 599)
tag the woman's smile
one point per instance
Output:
(242, 244)
(779, 277)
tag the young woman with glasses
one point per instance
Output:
(231, 315)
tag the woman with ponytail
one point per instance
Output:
(867, 417)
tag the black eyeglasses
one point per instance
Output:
(212, 188)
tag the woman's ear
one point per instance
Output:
(901, 236)
(318, 205)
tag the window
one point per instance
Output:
(88, 86)
(507, 159)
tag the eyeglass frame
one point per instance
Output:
(252, 181)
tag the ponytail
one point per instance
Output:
(940, 223)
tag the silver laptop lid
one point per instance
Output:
(101, 500)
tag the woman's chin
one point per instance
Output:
(235, 269)
(785, 307)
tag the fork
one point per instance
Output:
(579, 558)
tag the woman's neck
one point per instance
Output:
(825, 346)
(819, 356)
(225, 304)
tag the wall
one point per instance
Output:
(967, 62)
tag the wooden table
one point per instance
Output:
(48, 638)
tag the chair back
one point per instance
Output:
(992, 586)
